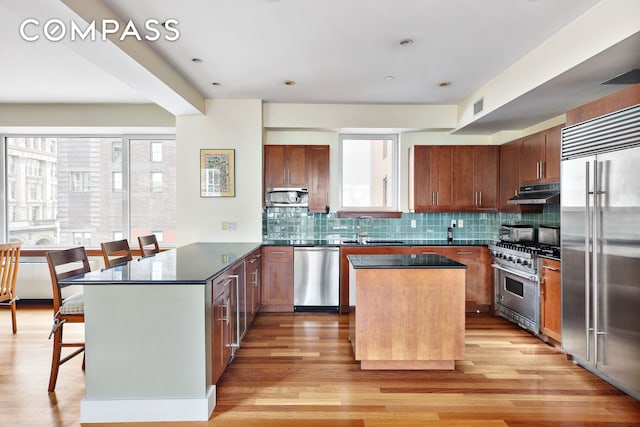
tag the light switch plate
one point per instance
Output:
(413, 223)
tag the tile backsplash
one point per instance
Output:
(300, 224)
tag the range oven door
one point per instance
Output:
(518, 297)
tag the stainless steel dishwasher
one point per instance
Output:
(316, 278)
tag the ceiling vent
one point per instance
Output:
(629, 78)
(478, 106)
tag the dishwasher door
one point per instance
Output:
(316, 278)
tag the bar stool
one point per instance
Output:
(63, 264)
(115, 252)
(148, 245)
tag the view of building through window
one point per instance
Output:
(66, 191)
(369, 171)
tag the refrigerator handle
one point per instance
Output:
(594, 255)
(587, 262)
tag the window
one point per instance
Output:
(369, 172)
(156, 151)
(79, 181)
(71, 190)
(156, 181)
(116, 182)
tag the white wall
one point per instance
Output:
(227, 124)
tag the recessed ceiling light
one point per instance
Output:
(289, 82)
(388, 77)
(406, 42)
(216, 83)
(444, 84)
(196, 60)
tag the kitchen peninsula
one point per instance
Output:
(407, 311)
(149, 332)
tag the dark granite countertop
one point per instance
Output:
(191, 264)
(403, 261)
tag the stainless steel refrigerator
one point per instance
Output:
(600, 241)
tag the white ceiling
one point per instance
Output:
(337, 51)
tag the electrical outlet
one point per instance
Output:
(460, 223)
(413, 223)
(232, 226)
(453, 223)
(225, 225)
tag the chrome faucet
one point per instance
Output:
(361, 222)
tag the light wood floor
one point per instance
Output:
(298, 370)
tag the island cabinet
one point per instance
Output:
(254, 281)
(277, 279)
(550, 299)
(305, 166)
(406, 311)
(222, 324)
(453, 178)
(540, 157)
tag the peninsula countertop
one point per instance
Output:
(403, 261)
(191, 264)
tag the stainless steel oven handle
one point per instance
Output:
(532, 278)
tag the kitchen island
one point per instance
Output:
(148, 335)
(406, 311)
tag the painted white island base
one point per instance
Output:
(147, 353)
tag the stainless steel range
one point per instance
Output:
(517, 281)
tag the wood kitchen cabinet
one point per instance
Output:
(509, 174)
(254, 278)
(277, 279)
(285, 166)
(453, 178)
(318, 177)
(475, 177)
(305, 166)
(540, 157)
(430, 180)
(221, 325)
(550, 299)
(478, 276)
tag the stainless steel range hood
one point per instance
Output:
(537, 194)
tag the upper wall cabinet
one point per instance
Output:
(540, 157)
(285, 166)
(475, 177)
(430, 180)
(304, 166)
(509, 174)
(453, 178)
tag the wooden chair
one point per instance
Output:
(9, 259)
(148, 245)
(63, 264)
(115, 252)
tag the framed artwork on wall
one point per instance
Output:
(217, 173)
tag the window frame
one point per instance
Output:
(395, 184)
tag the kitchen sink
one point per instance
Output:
(373, 242)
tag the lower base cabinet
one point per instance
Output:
(221, 325)
(277, 279)
(551, 299)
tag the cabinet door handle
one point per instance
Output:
(464, 252)
(429, 253)
(546, 267)
(480, 194)
(437, 198)
(278, 252)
